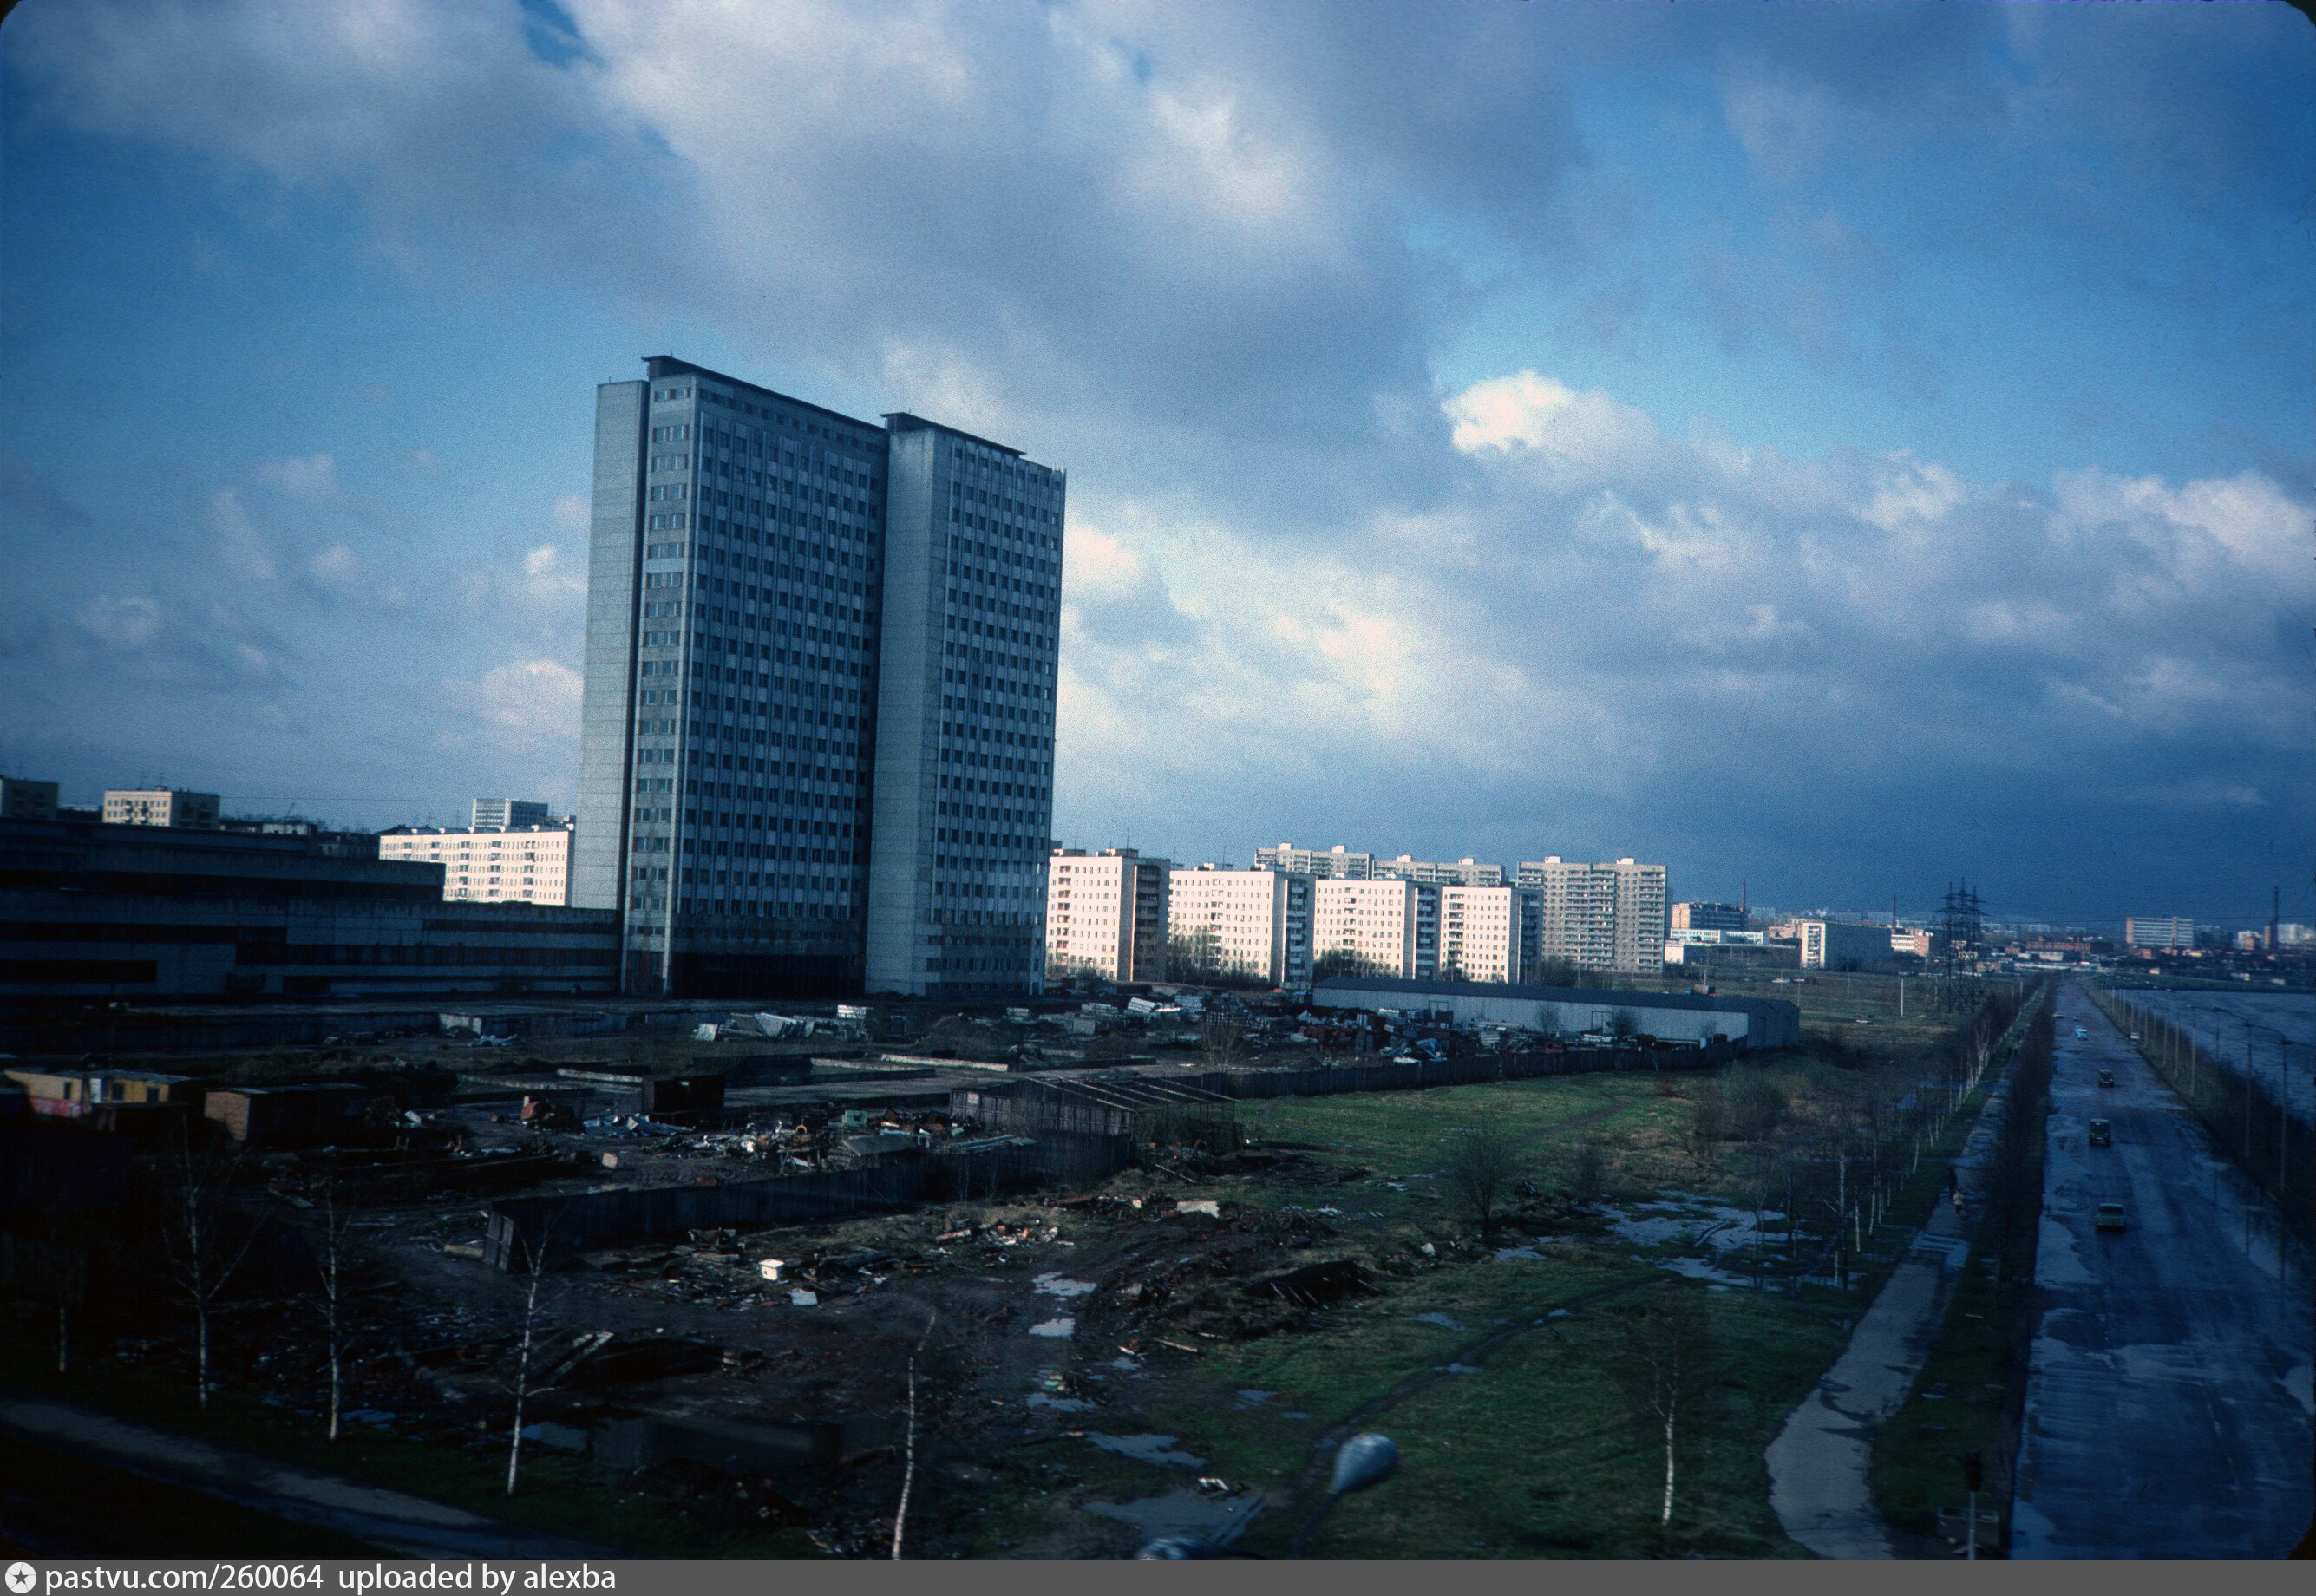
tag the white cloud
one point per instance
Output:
(572, 512)
(124, 622)
(243, 549)
(525, 703)
(310, 477)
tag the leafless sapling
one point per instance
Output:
(1661, 1362)
(204, 1238)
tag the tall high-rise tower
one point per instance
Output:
(768, 583)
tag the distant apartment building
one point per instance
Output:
(1837, 944)
(27, 800)
(1253, 922)
(1708, 917)
(1462, 872)
(161, 805)
(1917, 941)
(1105, 915)
(1386, 927)
(1488, 933)
(508, 814)
(2290, 933)
(2159, 931)
(1338, 861)
(1600, 916)
(531, 864)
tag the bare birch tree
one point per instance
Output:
(1660, 1363)
(535, 1254)
(340, 1263)
(203, 1240)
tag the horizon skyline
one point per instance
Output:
(1840, 454)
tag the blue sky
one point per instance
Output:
(1832, 447)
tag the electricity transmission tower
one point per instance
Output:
(1962, 929)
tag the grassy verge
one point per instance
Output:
(1970, 1394)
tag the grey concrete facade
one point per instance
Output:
(804, 672)
(614, 567)
(965, 698)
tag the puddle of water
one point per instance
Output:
(1254, 1398)
(1520, 1252)
(1054, 1284)
(1443, 1320)
(1218, 1518)
(1463, 1368)
(1060, 1404)
(1054, 1329)
(1145, 1448)
(1127, 1361)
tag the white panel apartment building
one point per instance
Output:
(1252, 922)
(1105, 915)
(527, 865)
(1600, 916)
(1488, 933)
(161, 805)
(1391, 927)
(1338, 861)
(1466, 871)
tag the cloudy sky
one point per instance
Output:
(1835, 449)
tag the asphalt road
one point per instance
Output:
(2168, 1401)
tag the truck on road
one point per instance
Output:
(2110, 1216)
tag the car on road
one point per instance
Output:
(2110, 1215)
(2102, 1134)
(2134, 1035)
(2083, 1033)
(2106, 1077)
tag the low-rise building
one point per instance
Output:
(529, 864)
(1727, 949)
(1708, 917)
(1752, 1022)
(93, 911)
(1252, 924)
(75, 1093)
(1105, 915)
(1837, 944)
(1384, 927)
(161, 805)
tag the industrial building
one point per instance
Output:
(92, 911)
(1752, 1022)
(1837, 944)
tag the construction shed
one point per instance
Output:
(1182, 1112)
(289, 1116)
